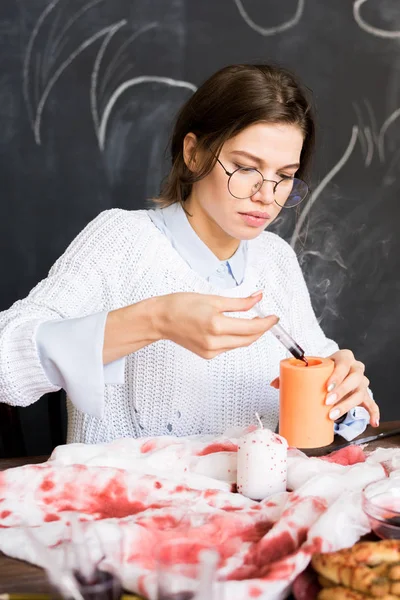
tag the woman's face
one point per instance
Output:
(272, 149)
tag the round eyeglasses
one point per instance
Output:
(245, 182)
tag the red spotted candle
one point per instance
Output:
(261, 464)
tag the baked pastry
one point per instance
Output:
(366, 570)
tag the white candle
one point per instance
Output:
(261, 464)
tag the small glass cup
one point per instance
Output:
(381, 504)
(185, 570)
(106, 587)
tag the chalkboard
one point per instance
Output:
(89, 89)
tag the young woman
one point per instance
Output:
(156, 322)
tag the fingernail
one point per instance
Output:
(334, 414)
(331, 386)
(331, 399)
(376, 422)
(256, 293)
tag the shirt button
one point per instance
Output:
(222, 269)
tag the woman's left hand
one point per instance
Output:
(347, 387)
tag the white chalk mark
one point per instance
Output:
(319, 189)
(95, 72)
(306, 234)
(370, 142)
(108, 76)
(36, 82)
(47, 58)
(271, 30)
(361, 137)
(131, 83)
(384, 128)
(58, 46)
(28, 55)
(58, 73)
(383, 33)
(374, 125)
(123, 73)
(303, 239)
(110, 69)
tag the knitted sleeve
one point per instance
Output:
(77, 285)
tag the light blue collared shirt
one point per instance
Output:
(70, 350)
(174, 224)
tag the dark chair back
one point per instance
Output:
(12, 443)
(57, 417)
(11, 437)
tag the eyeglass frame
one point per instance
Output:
(263, 180)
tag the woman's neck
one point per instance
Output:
(218, 241)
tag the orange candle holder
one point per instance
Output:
(303, 415)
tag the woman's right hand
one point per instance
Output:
(197, 322)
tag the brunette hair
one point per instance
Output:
(229, 101)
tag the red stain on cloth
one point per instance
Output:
(351, 455)
(219, 447)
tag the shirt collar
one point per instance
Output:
(196, 253)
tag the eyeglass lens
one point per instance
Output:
(244, 183)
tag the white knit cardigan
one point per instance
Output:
(121, 258)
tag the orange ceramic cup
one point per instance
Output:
(303, 415)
